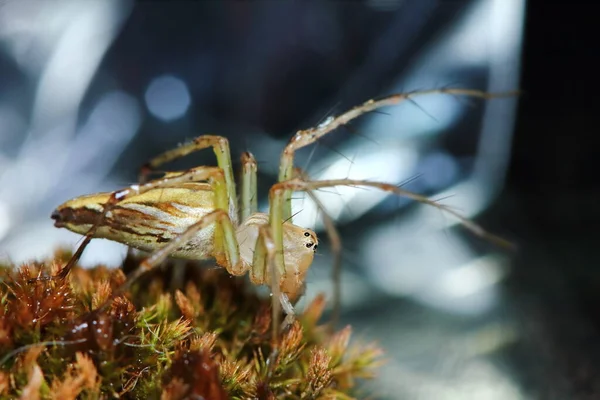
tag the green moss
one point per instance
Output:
(207, 335)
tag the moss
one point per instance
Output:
(205, 336)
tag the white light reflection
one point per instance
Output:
(73, 62)
(435, 267)
(65, 49)
(101, 251)
(112, 124)
(473, 277)
(469, 379)
(5, 220)
(432, 266)
(500, 21)
(388, 164)
(167, 97)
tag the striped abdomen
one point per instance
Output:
(146, 221)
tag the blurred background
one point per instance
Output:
(91, 90)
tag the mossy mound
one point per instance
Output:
(207, 335)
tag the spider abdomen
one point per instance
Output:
(147, 221)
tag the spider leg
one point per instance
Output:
(262, 267)
(220, 146)
(249, 186)
(229, 258)
(213, 175)
(262, 271)
(278, 191)
(336, 250)
(305, 137)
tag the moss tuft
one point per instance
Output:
(205, 335)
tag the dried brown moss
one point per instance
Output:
(203, 335)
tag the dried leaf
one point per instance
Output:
(193, 295)
(262, 321)
(102, 329)
(291, 344)
(118, 277)
(217, 350)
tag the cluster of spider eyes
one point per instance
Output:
(310, 244)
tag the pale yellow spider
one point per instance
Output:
(194, 214)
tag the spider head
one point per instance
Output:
(299, 246)
(310, 240)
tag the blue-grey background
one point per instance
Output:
(90, 90)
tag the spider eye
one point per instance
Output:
(306, 234)
(315, 248)
(309, 245)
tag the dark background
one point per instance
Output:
(552, 193)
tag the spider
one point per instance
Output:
(195, 214)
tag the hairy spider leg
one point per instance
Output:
(249, 200)
(249, 185)
(262, 265)
(336, 249)
(305, 137)
(221, 149)
(277, 195)
(225, 238)
(222, 152)
(277, 202)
